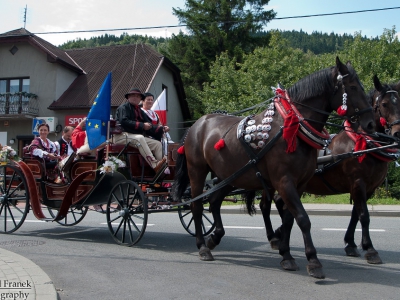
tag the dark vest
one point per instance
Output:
(64, 147)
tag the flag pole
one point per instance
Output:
(108, 139)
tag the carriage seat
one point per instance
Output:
(115, 128)
(117, 148)
(34, 163)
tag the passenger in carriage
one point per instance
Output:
(140, 132)
(64, 145)
(44, 148)
(147, 104)
(79, 134)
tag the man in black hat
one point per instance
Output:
(137, 127)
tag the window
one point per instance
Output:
(10, 103)
(14, 85)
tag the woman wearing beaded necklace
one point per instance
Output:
(147, 104)
(44, 148)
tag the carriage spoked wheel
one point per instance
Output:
(186, 218)
(127, 212)
(73, 217)
(14, 198)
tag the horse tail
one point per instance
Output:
(248, 198)
(181, 180)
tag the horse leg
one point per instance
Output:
(351, 247)
(204, 251)
(214, 239)
(265, 207)
(288, 262)
(215, 201)
(372, 256)
(291, 198)
(359, 194)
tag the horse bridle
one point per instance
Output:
(388, 126)
(357, 112)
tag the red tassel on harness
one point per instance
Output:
(181, 150)
(341, 111)
(382, 121)
(219, 145)
(290, 128)
(361, 144)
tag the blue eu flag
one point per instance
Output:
(99, 115)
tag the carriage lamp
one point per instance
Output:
(12, 141)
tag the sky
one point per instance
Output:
(77, 15)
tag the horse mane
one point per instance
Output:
(317, 84)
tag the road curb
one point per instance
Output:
(20, 270)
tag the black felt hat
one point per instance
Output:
(134, 91)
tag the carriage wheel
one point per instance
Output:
(186, 218)
(127, 213)
(73, 217)
(14, 199)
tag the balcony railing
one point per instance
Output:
(21, 103)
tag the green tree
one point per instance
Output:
(234, 86)
(214, 26)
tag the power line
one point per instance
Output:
(184, 25)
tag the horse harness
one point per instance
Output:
(385, 155)
(384, 123)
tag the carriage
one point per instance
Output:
(126, 196)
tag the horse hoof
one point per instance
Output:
(289, 265)
(315, 271)
(205, 254)
(372, 257)
(352, 251)
(210, 243)
(274, 242)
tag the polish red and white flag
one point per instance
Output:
(160, 107)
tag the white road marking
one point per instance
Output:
(344, 229)
(244, 227)
(135, 223)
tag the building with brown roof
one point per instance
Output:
(39, 80)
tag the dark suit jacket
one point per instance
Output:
(132, 120)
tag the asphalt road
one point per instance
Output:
(84, 262)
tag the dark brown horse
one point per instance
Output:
(360, 179)
(286, 167)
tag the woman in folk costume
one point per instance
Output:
(146, 107)
(44, 148)
(147, 104)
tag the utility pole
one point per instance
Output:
(26, 9)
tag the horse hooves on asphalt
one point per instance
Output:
(352, 251)
(205, 254)
(210, 243)
(372, 257)
(315, 271)
(289, 265)
(274, 242)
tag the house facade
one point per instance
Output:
(40, 81)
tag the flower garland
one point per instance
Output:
(111, 165)
(7, 153)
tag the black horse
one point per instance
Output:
(222, 145)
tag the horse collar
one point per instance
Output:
(306, 132)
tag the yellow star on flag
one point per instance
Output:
(96, 126)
